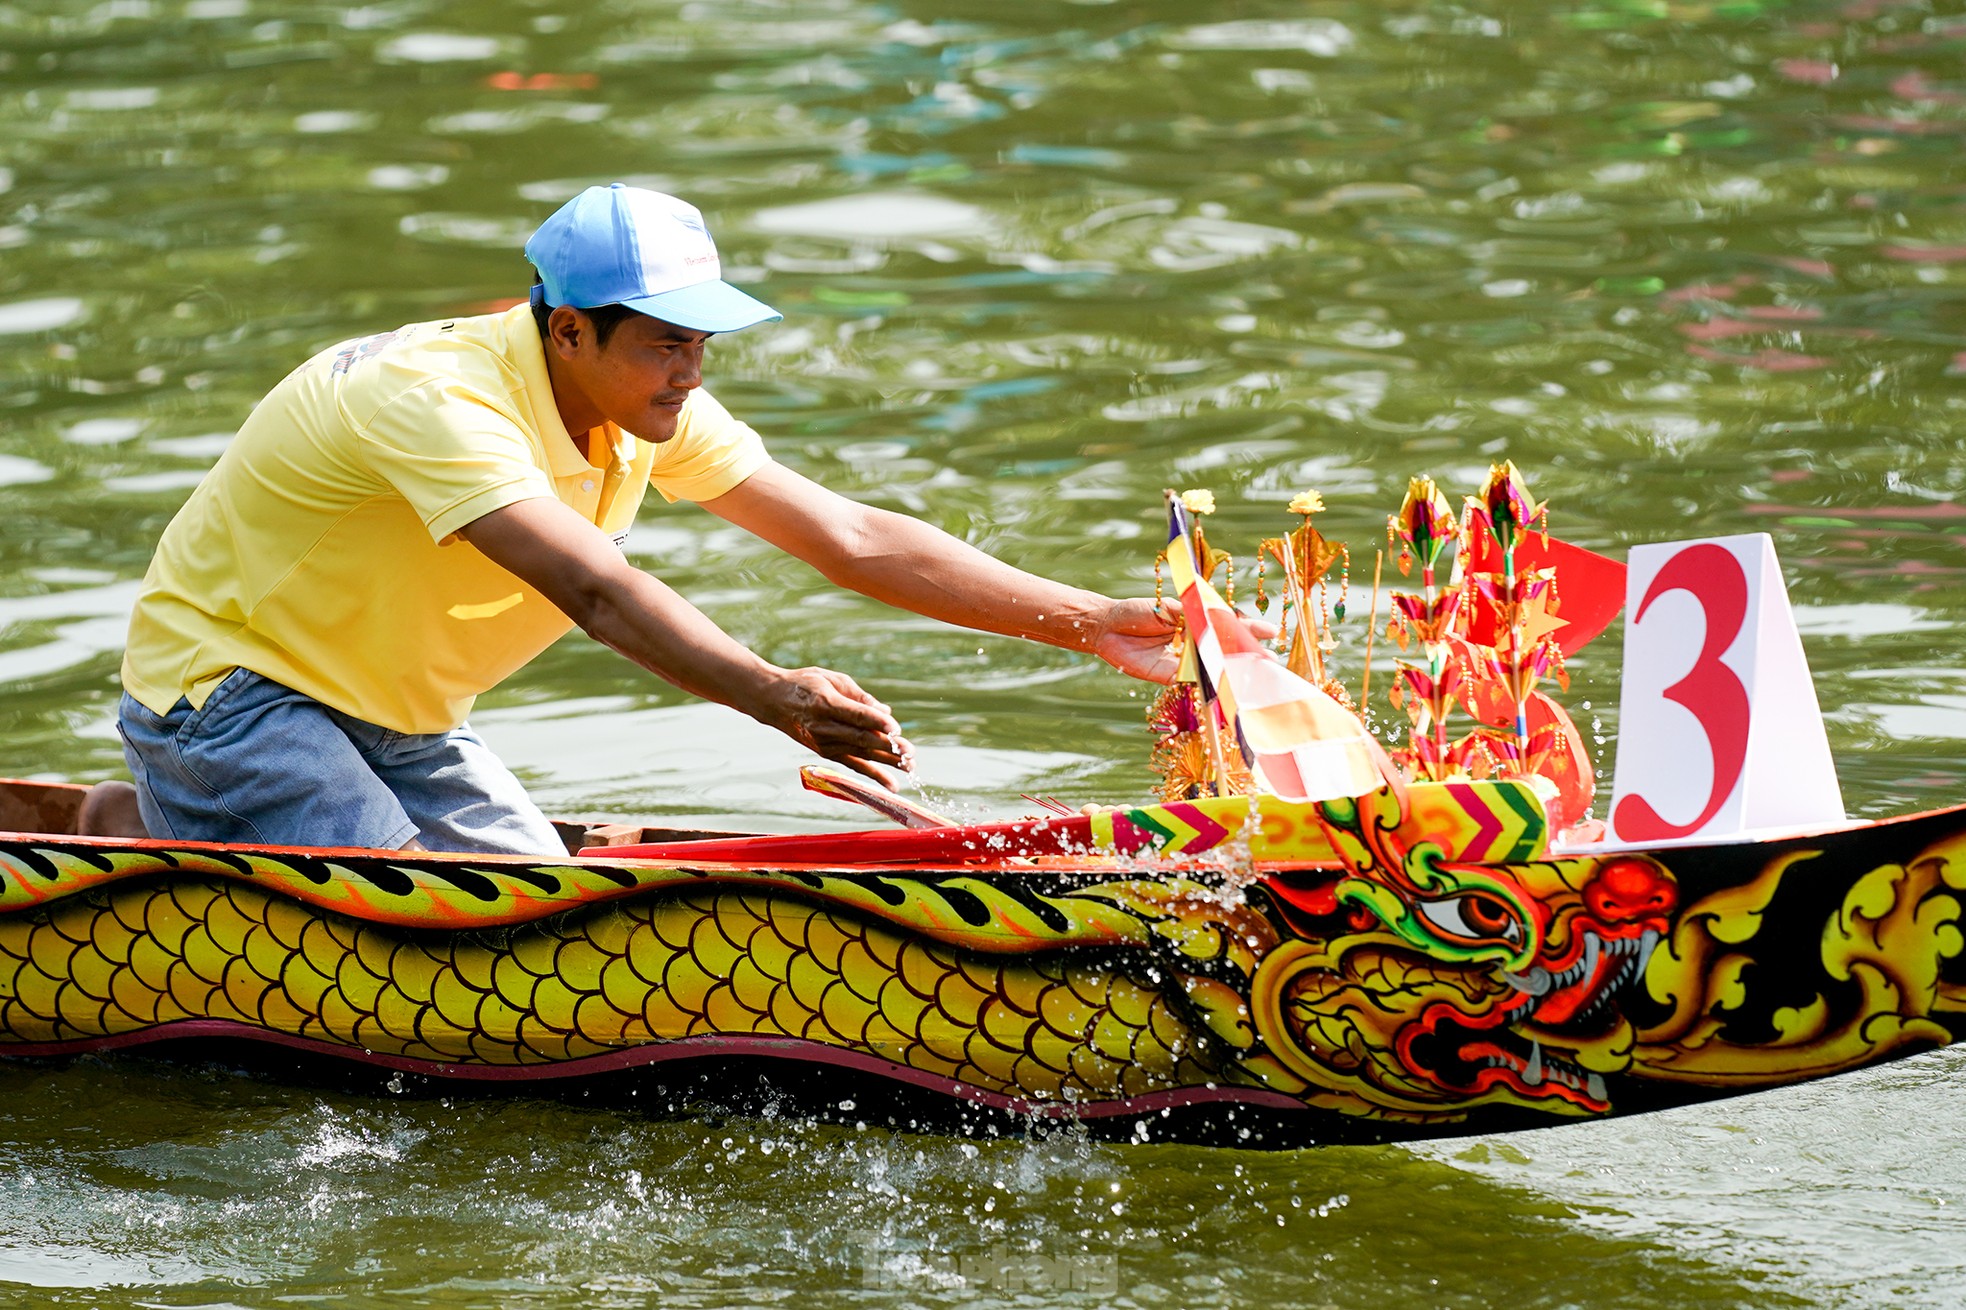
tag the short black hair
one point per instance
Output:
(605, 318)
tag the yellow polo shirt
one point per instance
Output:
(321, 550)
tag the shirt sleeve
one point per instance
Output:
(710, 453)
(453, 455)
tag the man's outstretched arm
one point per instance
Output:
(913, 566)
(569, 561)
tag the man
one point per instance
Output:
(408, 518)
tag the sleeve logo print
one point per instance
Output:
(356, 351)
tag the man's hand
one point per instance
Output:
(828, 713)
(1140, 638)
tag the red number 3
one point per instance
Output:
(1710, 690)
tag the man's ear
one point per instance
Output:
(568, 329)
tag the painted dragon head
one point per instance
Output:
(1423, 990)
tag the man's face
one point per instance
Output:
(641, 378)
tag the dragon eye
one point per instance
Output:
(1473, 917)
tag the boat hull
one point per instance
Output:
(1392, 990)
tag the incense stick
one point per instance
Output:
(1371, 630)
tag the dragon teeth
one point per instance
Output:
(1537, 982)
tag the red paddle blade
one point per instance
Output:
(1591, 588)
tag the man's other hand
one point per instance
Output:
(829, 714)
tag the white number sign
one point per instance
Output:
(1719, 733)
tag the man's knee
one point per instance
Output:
(110, 810)
(259, 763)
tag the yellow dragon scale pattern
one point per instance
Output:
(704, 962)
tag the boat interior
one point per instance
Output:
(66, 809)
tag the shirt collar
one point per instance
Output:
(528, 352)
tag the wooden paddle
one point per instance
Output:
(842, 787)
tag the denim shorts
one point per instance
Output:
(261, 763)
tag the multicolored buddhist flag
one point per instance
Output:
(1298, 742)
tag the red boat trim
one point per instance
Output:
(685, 1048)
(982, 843)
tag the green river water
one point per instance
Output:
(1698, 268)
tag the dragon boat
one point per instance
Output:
(1454, 949)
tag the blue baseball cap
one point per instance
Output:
(622, 245)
